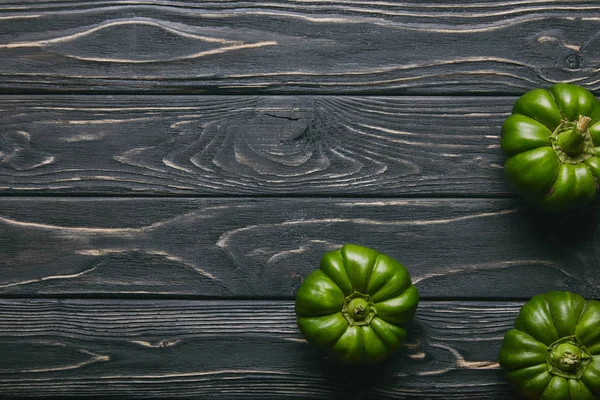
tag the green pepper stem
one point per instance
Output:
(358, 309)
(568, 358)
(583, 123)
(572, 141)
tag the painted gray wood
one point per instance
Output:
(454, 248)
(197, 291)
(238, 349)
(298, 47)
(247, 145)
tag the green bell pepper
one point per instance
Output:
(552, 140)
(554, 350)
(353, 306)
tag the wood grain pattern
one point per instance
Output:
(238, 349)
(192, 297)
(247, 145)
(301, 46)
(469, 248)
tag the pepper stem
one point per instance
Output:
(583, 122)
(568, 358)
(572, 141)
(358, 308)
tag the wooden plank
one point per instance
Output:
(343, 46)
(246, 145)
(467, 248)
(238, 349)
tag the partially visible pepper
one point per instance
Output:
(554, 350)
(552, 140)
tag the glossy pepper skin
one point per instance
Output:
(554, 350)
(353, 306)
(552, 140)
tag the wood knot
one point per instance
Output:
(17, 152)
(574, 61)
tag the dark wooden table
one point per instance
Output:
(171, 170)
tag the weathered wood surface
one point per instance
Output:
(238, 349)
(298, 46)
(196, 292)
(468, 248)
(252, 145)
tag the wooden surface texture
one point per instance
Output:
(253, 145)
(343, 46)
(171, 171)
(218, 349)
(467, 248)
